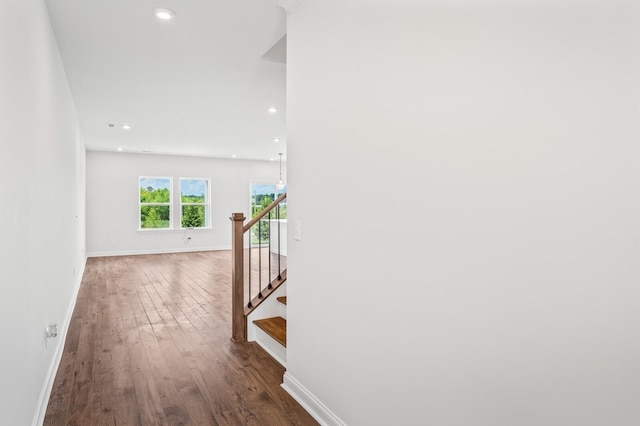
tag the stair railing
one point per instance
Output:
(242, 302)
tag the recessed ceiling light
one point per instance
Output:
(271, 159)
(276, 140)
(119, 149)
(233, 156)
(164, 14)
(272, 110)
(126, 126)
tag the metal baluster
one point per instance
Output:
(270, 286)
(260, 258)
(249, 268)
(278, 219)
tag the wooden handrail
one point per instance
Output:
(238, 312)
(264, 212)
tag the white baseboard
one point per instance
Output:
(155, 251)
(309, 402)
(43, 400)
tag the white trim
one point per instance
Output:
(148, 230)
(271, 307)
(155, 251)
(275, 193)
(206, 204)
(169, 204)
(45, 392)
(309, 402)
(271, 346)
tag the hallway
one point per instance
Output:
(149, 344)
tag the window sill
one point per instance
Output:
(144, 231)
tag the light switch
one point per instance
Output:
(297, 230)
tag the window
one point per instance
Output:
(264, 194)
(194, 203)
(155, 202)
(261, 196)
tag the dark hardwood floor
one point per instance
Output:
(149, 344)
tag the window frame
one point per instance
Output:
(169, 204)
(206, 204)
(276, 193)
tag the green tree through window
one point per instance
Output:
(194, 200)
(155, 202)
(261, 196)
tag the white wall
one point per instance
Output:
(484, 156)
(42, 212)
(112, 200)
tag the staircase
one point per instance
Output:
(259, 285)
(268, 326)
(276, 327)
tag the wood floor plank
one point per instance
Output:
(60, 393)
(149, 344)
(149, 409)
(180, 374)
(79, 412)
(103, 408)
(60, 398)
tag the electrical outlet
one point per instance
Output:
(52, 331)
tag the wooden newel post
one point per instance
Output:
(238, 320)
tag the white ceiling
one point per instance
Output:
(197, 85)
